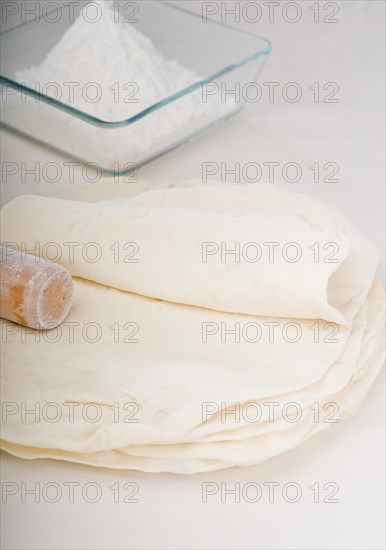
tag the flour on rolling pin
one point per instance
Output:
(34, 292)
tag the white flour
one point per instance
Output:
(111, 71)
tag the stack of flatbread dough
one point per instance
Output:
(178, 356)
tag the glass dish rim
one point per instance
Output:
(90, 119)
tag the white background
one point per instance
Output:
(170, 513)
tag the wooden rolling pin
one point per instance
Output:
(34, 292)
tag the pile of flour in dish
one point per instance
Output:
(178, 356)
(111, 71)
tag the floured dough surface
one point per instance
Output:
(174, 235)
(140, 352)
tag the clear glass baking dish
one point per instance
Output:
(227, 59)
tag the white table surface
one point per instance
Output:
(170, 513)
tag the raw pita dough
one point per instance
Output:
(170, 226)
(170, 372)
